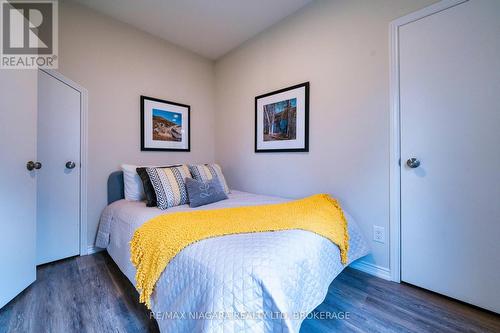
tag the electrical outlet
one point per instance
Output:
(378, 234)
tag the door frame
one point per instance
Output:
(395, 131)
(83, 153)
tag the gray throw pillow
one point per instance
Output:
(204, 192)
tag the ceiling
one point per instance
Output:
(210, 28)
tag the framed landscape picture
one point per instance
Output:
(164, 125)
(282, 120)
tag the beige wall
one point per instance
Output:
(118, 63)
(341, 47)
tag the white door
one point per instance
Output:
(58, 199)
(450, 122)
(18, 98)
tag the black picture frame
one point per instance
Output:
(305, 148)
(143, 145)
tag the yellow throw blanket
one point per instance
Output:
(159, 240)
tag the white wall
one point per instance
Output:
(118, 63)
(341, 47)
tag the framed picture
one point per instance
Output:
(282, 120)
(165, 125)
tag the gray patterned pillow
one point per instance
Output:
(204, 192)
(204, 172)
(169, 185)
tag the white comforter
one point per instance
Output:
(259, 282)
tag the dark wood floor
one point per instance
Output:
(90, 294)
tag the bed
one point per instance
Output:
(258, 282)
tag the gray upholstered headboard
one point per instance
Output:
(115, 187)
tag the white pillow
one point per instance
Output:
(134, 190)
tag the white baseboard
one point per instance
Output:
(94, 249)
(372, 269)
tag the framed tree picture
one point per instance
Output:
(282, 120)
(165, 125)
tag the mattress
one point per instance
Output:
(258, 282)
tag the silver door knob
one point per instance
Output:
(413, 163)
(70, 165)
(33, 165)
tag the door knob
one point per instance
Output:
(70, 165)
(33, 165)
(413, 163)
